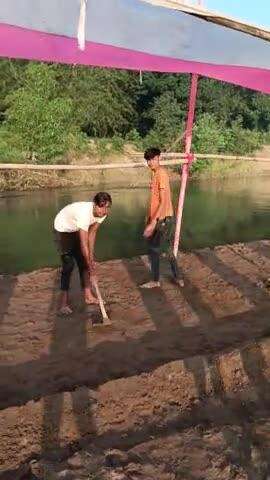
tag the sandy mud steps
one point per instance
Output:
(187, 368)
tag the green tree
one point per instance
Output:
(229, 103)
(208, 135)
(153, 87)
(242, 141)
(11, 76)
(39, 116)
(165, 114)
(104, 100)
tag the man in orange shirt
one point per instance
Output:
(160, 220)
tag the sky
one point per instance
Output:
(253, 11)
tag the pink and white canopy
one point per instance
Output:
(148, 35)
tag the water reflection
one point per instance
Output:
(215, 213)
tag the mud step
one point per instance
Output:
(176, 395)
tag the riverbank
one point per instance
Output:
(13, 180)
(34, 180)
(179, 384)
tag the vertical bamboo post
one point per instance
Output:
(189, 159)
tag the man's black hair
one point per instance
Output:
(151, 153)
(102, 198)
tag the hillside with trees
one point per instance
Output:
(47, 111)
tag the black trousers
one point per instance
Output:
(69, 248)
(161, 240)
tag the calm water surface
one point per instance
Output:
(215, 213)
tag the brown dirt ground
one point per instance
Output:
(179, 383)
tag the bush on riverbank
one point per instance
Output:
(210, 136)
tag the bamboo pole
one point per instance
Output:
(189, 160)
(231, 157)
(220, 156)
(107, 166)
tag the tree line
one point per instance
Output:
(47, 111)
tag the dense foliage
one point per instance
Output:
(49, 110)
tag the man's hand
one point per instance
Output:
(149, 229)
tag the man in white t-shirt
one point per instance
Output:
(75, 228)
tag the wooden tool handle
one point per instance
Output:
(101, 303)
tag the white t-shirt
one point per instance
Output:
(76, 216)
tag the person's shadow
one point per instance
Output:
(66, 342)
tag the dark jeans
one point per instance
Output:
(69, 248)
(162, 240)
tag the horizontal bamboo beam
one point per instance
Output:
(178, 158)
(105, 166)
(232, 157)
(211, 156)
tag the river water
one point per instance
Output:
(216, 212)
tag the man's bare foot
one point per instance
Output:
(150, 284)
(65, 310)
(89, 296)
(91, 300)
